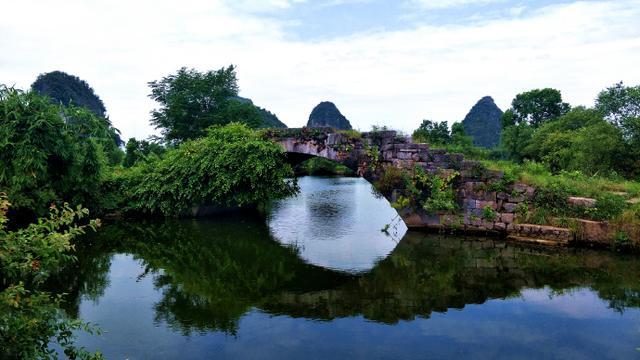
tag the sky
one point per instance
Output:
(389, 63)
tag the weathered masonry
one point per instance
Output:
(480, 205)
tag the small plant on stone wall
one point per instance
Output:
(373, 153)
(489, 214)
(390, 179)
(401, 202)
(621, 240)
(504, 183)
(438, 189)
(522, 212)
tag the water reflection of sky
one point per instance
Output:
(539, 324)
(336, 223)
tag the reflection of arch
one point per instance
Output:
(212, 274)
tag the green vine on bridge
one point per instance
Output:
(431, 192)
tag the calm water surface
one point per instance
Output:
(319, 280)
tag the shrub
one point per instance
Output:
(609, 206)
(489, 214)
(31, 318)
(230, 167)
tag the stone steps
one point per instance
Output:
(530, 240)
(544, 233)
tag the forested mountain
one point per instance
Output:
(326, 114)
(483, 123)
(268, 119)
(67, 90)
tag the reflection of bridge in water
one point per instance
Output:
(210, 275)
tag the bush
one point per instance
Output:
(49, 153)
(609, 206)
(231, 167)
(29, 317)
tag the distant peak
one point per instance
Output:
(326, 114)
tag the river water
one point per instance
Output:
(320, 280)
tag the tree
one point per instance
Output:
(535, 107)
(232, 166)
(30, 318)
(141, 151)
(43, 158)
(580, 140)
(516, 138)
(431, 132)
(620, 105)
(191, 101)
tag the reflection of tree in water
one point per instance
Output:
(211, 273)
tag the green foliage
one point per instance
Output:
(535, 107)
(431, 132)
(489, 214)
(49, 153)
(191, 101)
(431, 192)
(142, 150)
(231, 166)
(29, 317)
(322, 166)
(390, 179)
(351, 134)
(580, 140)
(609, 206)
(516, 138)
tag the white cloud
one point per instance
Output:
(395, 78)
(444, 4)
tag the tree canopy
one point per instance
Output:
(535, 107)
(191, 101)
(230, 166)
(45, 159)
(432, 132)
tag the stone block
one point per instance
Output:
(516, 199)
(520, 188)
(582, 202)
(500, 226)
(593, 232)
(502, 196)
(469, 204)
(507, 217)
(510, 207)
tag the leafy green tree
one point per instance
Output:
(141, 151)
(43, 158)
(31, 318)
(191, 101)
(516, 138)
(87, 125)
(231, 166)
(535, 107)
(620, 105)
(431, 132)
(580, 140)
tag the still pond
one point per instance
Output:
(320, 280)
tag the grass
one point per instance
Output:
(579, 184)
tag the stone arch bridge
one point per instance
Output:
(483, 201)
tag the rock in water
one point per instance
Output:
(483, 123)
(326, 114)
